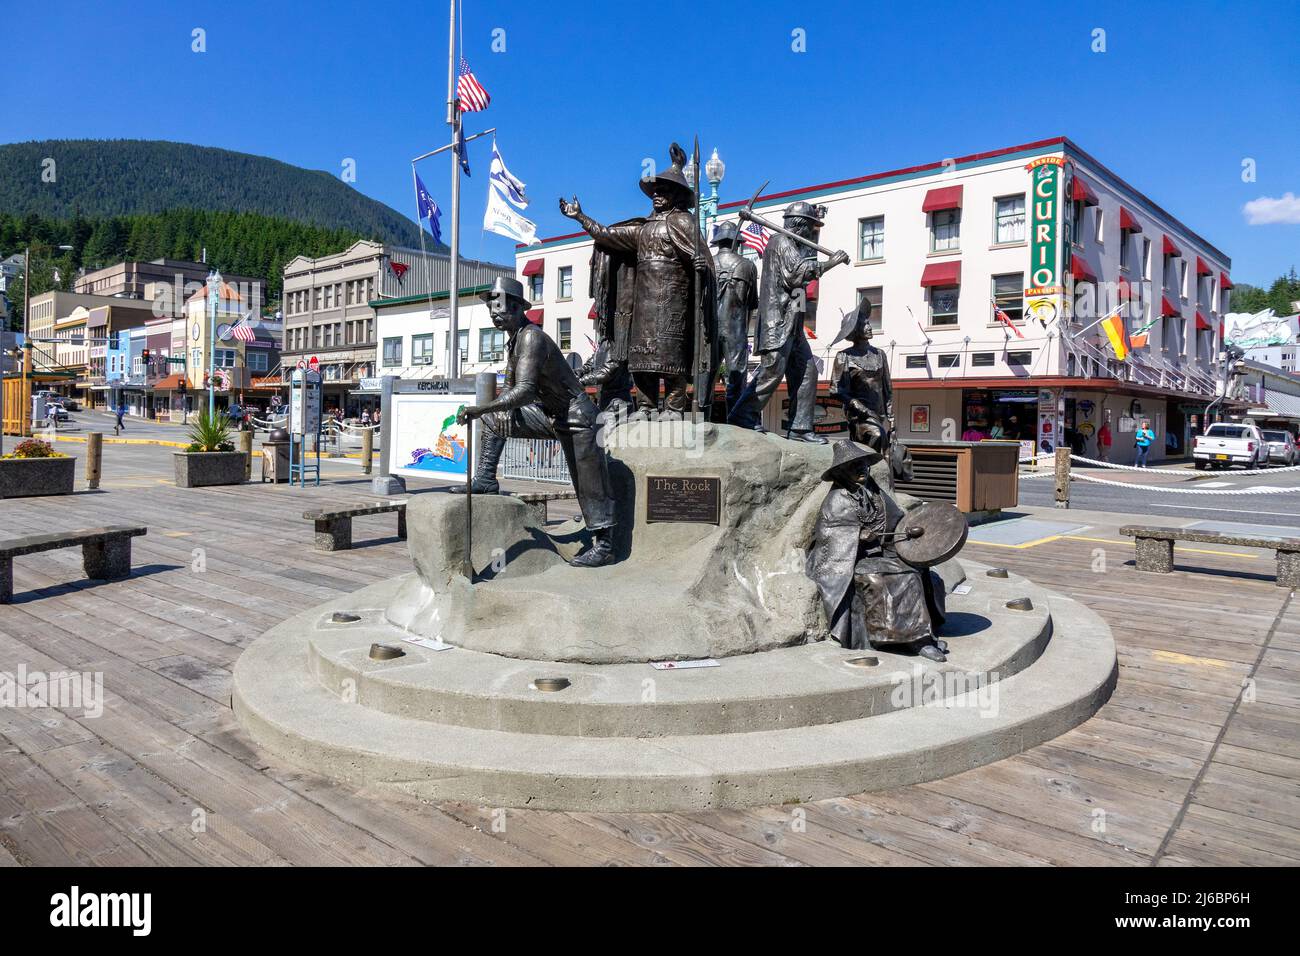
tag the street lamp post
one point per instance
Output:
(714, 170)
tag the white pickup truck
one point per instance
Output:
(1224, 445)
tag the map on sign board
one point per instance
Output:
(426, 437)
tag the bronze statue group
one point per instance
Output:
(653, 286)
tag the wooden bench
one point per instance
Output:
(540, 499)
(334, 525)
(1154, 549)
(105, 553)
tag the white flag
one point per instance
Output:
(511, 186)
(500, 218)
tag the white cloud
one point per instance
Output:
(1267, 211)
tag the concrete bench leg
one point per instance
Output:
(107, 560)
(1288, 570)
(6, 580)
(401, 524)
(1154, 554)
(334, 535)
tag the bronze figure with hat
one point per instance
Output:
(782, 311)
(544, 399)
(872, 596)
(668, 271)
(737, 285)
(860, 380)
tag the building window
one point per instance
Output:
(393, 351)
(1077, 210)
(566, 282)
(981, 359)
(1009, 219)
(949, 361)
(491, 345)
(943, 304)
(1182, 277)
(876, 296)
(916, 361)
(223, 358)
(462, 337)
(315, 336)
(257, 361)
(945, 230)
(1019, 358)
(316, 294)
(1009, 294)
(535, 286)
(422, 349)
(871, 238)
(563, 334)
(1144, 256)
(1125, 250)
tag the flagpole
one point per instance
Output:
(453, 120)
(424, 253)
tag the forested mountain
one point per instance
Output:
(58, 179)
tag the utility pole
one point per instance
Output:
(453, 120)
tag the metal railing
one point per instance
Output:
(534, 459)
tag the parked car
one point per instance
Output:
(1224, 445)
(1282, 448)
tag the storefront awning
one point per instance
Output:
(1202, 269)
(1167, 308)
(168, 384)
(1079, 269)
(1224, 281)
(534, 267)
(810, 291)
(1080, 191)
(1170, 248)
(534, 316)
(944, 197)
(1126, 221)
(1202, 323)
(942, 273)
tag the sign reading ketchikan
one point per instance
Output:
(1045, 219)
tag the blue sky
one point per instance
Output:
(1183, 93)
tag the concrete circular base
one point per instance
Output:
(789, 724)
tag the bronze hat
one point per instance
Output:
(505, 286)
(850, 453)
(672, 176)
(806, 210)
(849, 322)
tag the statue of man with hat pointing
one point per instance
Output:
(544, 399)
(786, 355)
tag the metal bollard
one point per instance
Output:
(1063, 477)
(367, 449)
(246, 446)
(94, 455)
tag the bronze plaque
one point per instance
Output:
(683, 498)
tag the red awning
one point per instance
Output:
(942, 273)
(534, 316)
(534, 267)
(1202, 322)
(1170, 248)
(591, 313)
(810, 291)
(1202, 269)
(1081, 191)
(1224, 281)
(1126, 221)
(1168, 308)
(1079, 269)
(944, 197)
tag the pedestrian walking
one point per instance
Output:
(1142, 441)
(1104, 442)
(121, 411)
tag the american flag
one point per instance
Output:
(755, 236)
(243, 330)
(469, 91)
(1005, 319)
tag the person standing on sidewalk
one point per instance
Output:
(1142, 440)
(1104, 441)
(120, 412)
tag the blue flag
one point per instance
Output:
(428, 209)
(459, 149)
(510, 185)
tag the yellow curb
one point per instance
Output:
(126, 441)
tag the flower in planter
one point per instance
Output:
(35, 448)
(210, 433)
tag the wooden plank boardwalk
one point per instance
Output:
(1194, 761)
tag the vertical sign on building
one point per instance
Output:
(1043, 296)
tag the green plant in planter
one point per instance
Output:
(35, 448)
(210, 433)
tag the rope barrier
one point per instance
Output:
(1186, 491)
(1255, 471)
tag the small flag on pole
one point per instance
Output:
(458, 147)
(469, 91)
(1005, 319)
(242, 330)
(755, 237)
(428, 209)
(509, 185)
(1139, 339)
(1118, 335)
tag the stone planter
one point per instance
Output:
(29, 477)
(200, 468)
